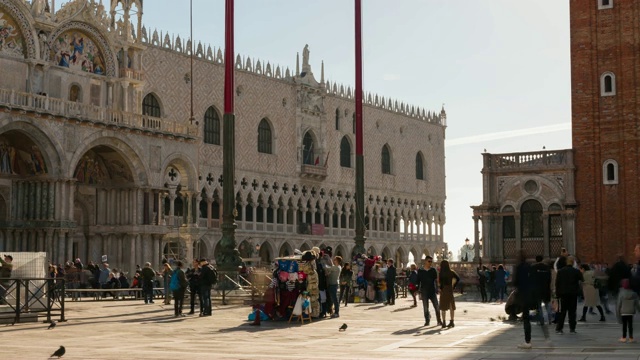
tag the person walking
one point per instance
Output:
(413, 284)
(346, 277)
(590, 293)
(626, 308)
(390, 278)
(447, 281)
(482, 281)
(522, 281)
(567, 289)
(501, 283)
(166, 276)
(193, 276)
(178, 286)
(541, 279)
(427, 279)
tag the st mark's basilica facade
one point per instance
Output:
(98, 155)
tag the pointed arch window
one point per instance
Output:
(211, 126)
(345, 152)
(386, 159)
(419, 166)
(308, 150)
(265, 140)
(151, 106)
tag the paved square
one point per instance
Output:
(132, 330)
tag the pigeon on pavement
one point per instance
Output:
(59, 352)
(52, 325)
(343, 327)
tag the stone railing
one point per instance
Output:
(530, 160)
(312, 171)
(95, 114)
(132, 74)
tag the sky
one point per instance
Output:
(500, 67)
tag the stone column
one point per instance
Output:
(132, 246)
(339, 224)
(244, 215)
(61, 246)
(37, 201)
(157, 255)
(119, 243)
(58, 199)
(20, 201)
(209, 211)
(69, 238)
(476, 238)
(188, 243)
(51, 200)
(254, 219)
(139, 251)
(72, 194)
(161, 197)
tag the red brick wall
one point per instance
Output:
(605, 127)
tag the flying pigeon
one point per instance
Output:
(343, 327)
(59, 352)
(52, 325)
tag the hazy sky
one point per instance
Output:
(501, 67)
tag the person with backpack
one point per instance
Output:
(208, 277)
(178, 286)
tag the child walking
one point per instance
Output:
(627, 305)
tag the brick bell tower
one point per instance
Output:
(605, 90)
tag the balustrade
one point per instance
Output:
(96, 114)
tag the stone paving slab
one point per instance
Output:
(132, 330)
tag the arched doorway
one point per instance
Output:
(265, 253)
(285, 250)
(200, 249)
(386, 253)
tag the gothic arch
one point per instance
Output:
(130, 155)
(49, 147)
(183, 163)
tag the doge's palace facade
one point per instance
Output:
(98, 156)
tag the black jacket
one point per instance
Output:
(568, 281)
(541, 279)
(390, 278)
(427, 280)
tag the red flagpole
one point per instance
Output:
(228, 58)
(359, 147)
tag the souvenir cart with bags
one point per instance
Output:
(295, 275)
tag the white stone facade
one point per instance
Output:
(88, 165)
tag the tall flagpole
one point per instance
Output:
(360, 230)
(228, 258)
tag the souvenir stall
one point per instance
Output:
(294, 288)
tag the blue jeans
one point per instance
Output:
(205, 295)
(433, 297)
(333, 296)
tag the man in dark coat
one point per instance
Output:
(427, 284)
(482, 281)
(148, 275)
(205, 283)
(390, 278)
(567, 289)
(541, 280)
(524, 295)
